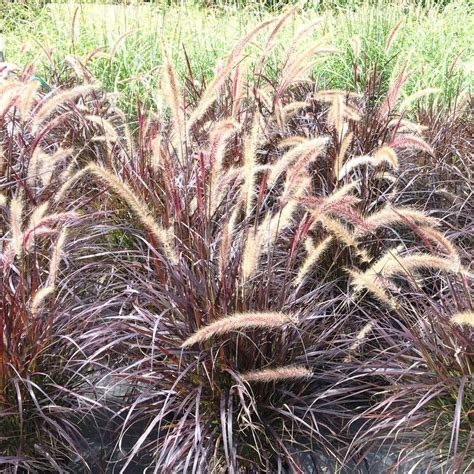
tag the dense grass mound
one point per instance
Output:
(260, 275)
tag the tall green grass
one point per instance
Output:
(433, 39)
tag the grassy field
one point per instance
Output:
(434, 40)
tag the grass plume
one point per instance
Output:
(51, 105)
(16, 222)
(276, 375)
(314, 253)
(162, 235)
(238, 322)
(464, 318)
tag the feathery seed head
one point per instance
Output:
(390, 215)
(361, 336)
(290, 372)
(314, 253)
(238, 322)
(51, 105)
(370, 283)
(40, 297)
(16, 220)
(465, 318)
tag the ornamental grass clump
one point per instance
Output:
(257, 220)
(44, 390)
(216, 358)
(423, 367)
(39, 389)
(263, 285)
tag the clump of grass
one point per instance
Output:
(197, 225)
(238, 189)
(38, 389)
(256, 229)
(424, 407)
(44, 391)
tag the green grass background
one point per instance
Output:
(433, 36)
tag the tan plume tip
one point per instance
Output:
(362, 281)
(298, 36)
(3, 160)
(439, 239)
(218, 137)
(70, 180)
(218, 140)
(251, 254)
(172, 94)
(59, 99)
(56, 256)
(238, 86)
(238, 321)
(281, 221)
(226, 241)
(404, 140)
(384, 154)
(294, 107)
(386, 257)
(110, 133)
(27, 98)
(157, 156)
(163, 236)
(209, 95)
(277, 374)
(387, 155)
(416, 261)
(247, 191)
(314, 253)
(3, 200)
(272, 37)
(43, 165)
(292, 141)
(39, 298)
(343, 234)
(16, 219)
(342, 152)
(465, 318)
(361, 336)
(309, 150)
(38, 215)
(343, 171)
(336, 115)
(343, 190)
(383, 175)
(75, 64)
(9, 93)
(398, 215)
